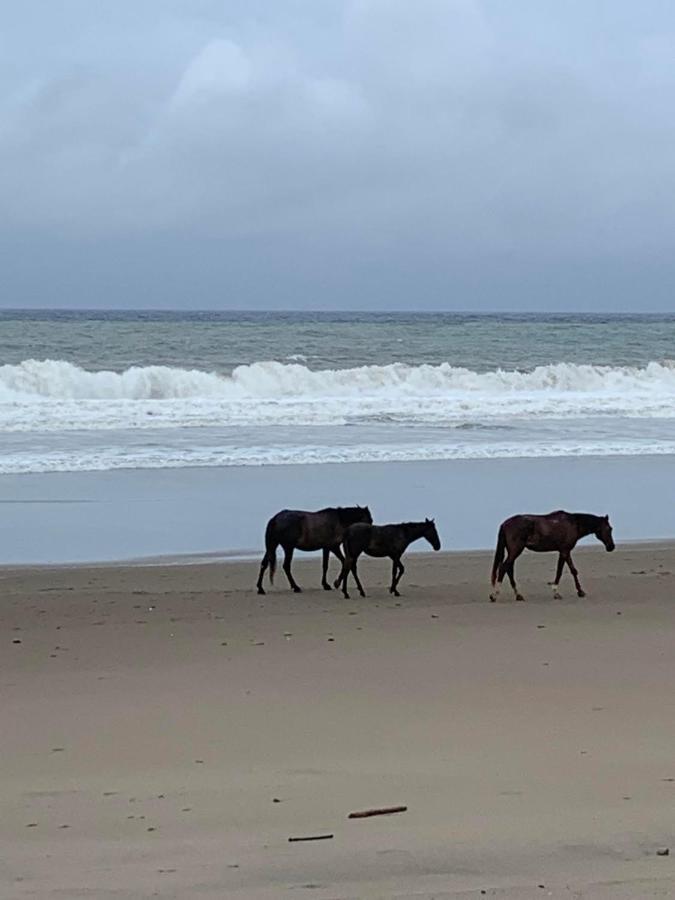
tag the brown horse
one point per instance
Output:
(297, 529)
(383, 540)
(558, 531)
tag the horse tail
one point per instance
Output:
(499, 553)
(271, 549)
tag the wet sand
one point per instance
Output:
(126, 514)
(165, 731)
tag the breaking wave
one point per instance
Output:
(57, 395)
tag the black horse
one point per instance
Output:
(558, 531)
(383, 540)
(297, 529)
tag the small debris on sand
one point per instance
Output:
(311, 837)
(383, 811)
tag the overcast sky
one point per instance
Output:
(450, 154)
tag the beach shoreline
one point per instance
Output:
(303, 559)
(140, 514)
(166, 731)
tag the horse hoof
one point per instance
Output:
(493, 598)
(346, 596)
(336, 583)
(261, 591)
(297, 590)
(557, 595)
(363, 593)
(581, 593)
(396, 594)
(520, 598)
(326, 587)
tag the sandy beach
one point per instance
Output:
(166, 731)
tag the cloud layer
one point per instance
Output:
(415, 143)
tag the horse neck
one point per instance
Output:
(586, 523)
(413, 531)
(347, 516)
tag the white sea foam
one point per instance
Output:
(107, 458)
(54, 395)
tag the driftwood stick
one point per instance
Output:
(384, 811)
(311, 837)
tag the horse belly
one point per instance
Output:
(541, 546)
(317, 538)
(377, 552)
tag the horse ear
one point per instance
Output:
(607, 518)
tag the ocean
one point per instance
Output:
(100, 391)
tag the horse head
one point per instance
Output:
(431, 534)
(604, 533)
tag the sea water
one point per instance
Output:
(86, 391)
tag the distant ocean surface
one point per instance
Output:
(84, 391)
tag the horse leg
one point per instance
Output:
(512, 579)
(401, 570)
(288, 559)
(324, 583)
(394, 570)
(340, 555)
(356, 577)
(263, 567)
(575, 574)
(397, 572)
(508, 568)
(558, 575)
(344, 576)
(506, 565)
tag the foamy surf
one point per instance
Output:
(106, 458)
(55, 395)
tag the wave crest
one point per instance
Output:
(59, 379)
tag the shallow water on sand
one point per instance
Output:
(75, 517)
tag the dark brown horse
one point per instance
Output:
(383, 540)
(558, 531)
(296, 529)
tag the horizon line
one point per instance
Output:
(265, 311)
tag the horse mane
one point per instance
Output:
(346, 513)
(587, 521)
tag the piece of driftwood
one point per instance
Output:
(384, 811)
(311, 837)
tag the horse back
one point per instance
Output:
(286, 525)
(308, 530)
(552, 531)
(374, 540)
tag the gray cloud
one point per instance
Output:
(478, 153)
